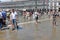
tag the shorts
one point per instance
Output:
(36, 18)
(1, 20)
(13, 21)
(54, 20)
(4, 21)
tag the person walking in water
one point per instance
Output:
(36, 15)
(54, 18)
(13, 19)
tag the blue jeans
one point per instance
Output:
(0, 25)
(14, 22)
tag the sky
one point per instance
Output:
(5, 0)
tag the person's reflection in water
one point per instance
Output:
(36, 32)
(54, 33)
(36, 27)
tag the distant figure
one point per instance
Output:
(54, 18)
(28, 15)
(24, 14)
(35, 15)
(49, 14)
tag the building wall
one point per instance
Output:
(24, 4)
(54, 4)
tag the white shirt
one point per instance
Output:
(36, 14)
(33, 16)
(13, 15)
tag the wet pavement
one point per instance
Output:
(31, 31)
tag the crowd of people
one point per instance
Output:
(2, 19)
(12, 16)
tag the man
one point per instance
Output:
(28, 15)
(24, 13)
(13, 18)
(36, 14)
(4, 17)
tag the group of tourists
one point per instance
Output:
(53, 14)
(12, 16)
(34, 15)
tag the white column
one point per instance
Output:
(49, 5)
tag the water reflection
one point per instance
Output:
(36, 27)
(54, 33)
(36, 32)
(7, 35)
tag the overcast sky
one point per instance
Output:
(4, 0)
